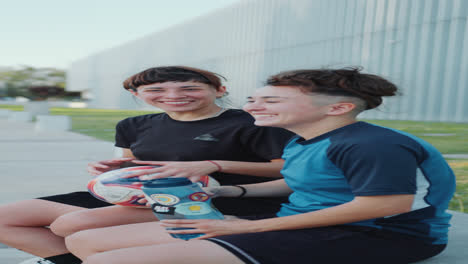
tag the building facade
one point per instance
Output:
(421, 45)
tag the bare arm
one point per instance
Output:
(200, 168)
(265, 169)
(127, 153)
(264, 189)
(98, 167)
(359, 209)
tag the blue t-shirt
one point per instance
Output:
(367, 160)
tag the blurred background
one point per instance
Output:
(83, 51)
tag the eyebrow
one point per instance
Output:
(267, 97)
(185, 86)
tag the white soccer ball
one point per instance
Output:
(112, 188)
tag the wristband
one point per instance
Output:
(216, 164)
(244, 191)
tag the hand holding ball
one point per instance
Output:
(112, 188)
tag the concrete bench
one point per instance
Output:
(37, 107)
(20, 116)
(5, 113)
(56, 122)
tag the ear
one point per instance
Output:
(134, 92)
(221, 91)
(340, 108)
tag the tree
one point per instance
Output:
(17, 82)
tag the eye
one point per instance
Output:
(153, 90)
(191, 89)
(271, 101)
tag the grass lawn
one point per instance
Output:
(98, 123)
(12, 107)
(449, 138)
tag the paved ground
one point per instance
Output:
(34, 163)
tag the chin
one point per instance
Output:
(265, 123)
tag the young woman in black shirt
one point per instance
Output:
(193, 137)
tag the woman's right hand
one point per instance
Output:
(98, 167)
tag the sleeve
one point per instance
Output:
(123, 134)
(266, 142)
(379, 169)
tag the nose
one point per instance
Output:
(174, 93)
(253, 106)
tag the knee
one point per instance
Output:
(77, 244)
(66, 225)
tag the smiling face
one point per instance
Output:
(300, 112)
(181, 97)
(283, 106)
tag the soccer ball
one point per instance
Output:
(112, 188)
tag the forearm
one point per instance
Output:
(354, 211)
(262, 169)
(127, 153)
(264, 189)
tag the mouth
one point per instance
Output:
(262, 116)
(175, 102)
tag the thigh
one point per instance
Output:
(197, 251)
(104, 217)
(116, 237)
(34, 212)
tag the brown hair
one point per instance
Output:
(339, 82)
(173, 74)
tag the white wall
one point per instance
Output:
(421, 45)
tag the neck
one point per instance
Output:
(312, 130)
(196, 115)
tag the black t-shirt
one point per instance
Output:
(229, 136)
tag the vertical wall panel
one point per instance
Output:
(421, 45)
(452, 70)
(461, 109)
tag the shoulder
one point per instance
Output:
(139, 120)
(366, 139)
(369, 134)
(237, 114)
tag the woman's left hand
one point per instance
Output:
(210, 228)
(182, 169)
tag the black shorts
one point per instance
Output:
(81, 199)
(248, 206)
(228, 206)
(328, 245)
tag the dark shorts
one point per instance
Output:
(228, 206)
(328, 245)
(81, 199)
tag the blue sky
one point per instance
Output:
(54, 33)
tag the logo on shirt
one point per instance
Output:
(206, 137)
